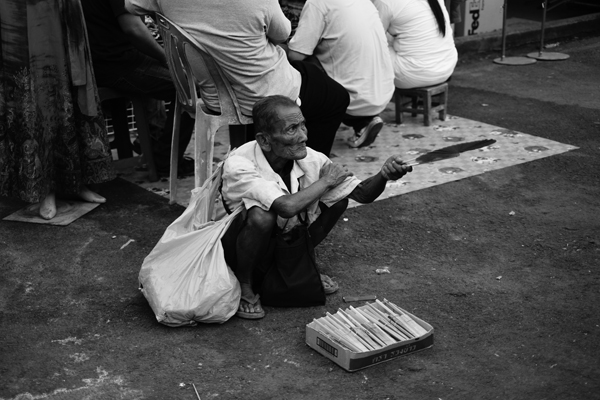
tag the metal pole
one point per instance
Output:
(544, 6)
(541, 55)
(510, 60)
(504, 11)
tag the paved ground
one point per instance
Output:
(504, 265)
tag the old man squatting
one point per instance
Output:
(277, 178)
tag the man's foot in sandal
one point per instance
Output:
(329, 285)
(250, 307)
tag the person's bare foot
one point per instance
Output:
(48, 206)
(91, 197)
(250, 307)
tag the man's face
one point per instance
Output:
(288, 141)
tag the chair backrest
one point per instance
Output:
(191, 64)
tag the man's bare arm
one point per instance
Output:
(290, 205)
(370, 189)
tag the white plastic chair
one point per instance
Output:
(190, 65)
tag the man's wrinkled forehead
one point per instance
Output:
(287, 116)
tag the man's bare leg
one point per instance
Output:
(48, 206)
(252, 242)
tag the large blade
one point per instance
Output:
(450, 151)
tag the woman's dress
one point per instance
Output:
(52, 132)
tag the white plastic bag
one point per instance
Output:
(185, 278)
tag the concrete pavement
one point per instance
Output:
(514, 301)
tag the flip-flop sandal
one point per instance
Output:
(254, 301)
(329, 286)
(368, 134)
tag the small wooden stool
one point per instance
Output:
(426, 94)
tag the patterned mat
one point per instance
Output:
(412, 139)
(408, 140)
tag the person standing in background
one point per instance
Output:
(53, 139)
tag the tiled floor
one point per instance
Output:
(409, 140)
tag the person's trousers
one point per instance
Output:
(318, 231)
(357, 123)
(146, 76)
(323, 104)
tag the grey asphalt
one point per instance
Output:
(73, 324)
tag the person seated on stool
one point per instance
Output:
(127, 58)
(420, 41)
(255, 64)
(277, 177)
(347, 38)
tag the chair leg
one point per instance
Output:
(201, 151)
(144, 136)
(427, 109)
(174, 154)
(214, 127)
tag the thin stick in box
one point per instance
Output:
(373, 328)
(340, 319)
(393, 336)
(391, 315)
(388, 318)
(357, 331)
(347, 334)
(403, 319)
(337, 338)
(421, 331)
(396, 322)
(386, 326)
(401, 325)
(376, 341)
(388, 323)
(351, 331)
(418, 329)
(341, 336)
(370, 326)
(362, 328)
(327, 328)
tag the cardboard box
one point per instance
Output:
(352, 361)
